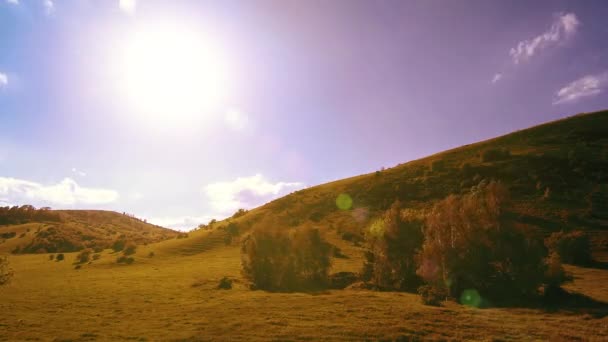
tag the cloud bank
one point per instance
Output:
(564, 26)
(587, 86)
(15, 191)
(246, 192)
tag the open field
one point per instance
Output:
(173, 296)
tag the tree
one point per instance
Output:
(394, 240)
(6, 273)
(275, 259)
(471, 244)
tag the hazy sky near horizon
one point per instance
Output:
(183, 111)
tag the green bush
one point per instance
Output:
(59, 257)
(84, 255)
(130, 249)
(118, 245)
(225, 284)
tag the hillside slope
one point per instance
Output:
(557, 174)
(72, 230)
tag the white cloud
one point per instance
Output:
(497, 77)
(181, 222)
(12, 2)
(563, 27)
(49, 6)
(245, 192)
(78, 172)
(586, 86)
(128, 6)
(65, 193)
(3, 80)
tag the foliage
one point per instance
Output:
(225, 284)
(432, 295)
(275, 259)
(239, 213)
(125, 260)
(130, 248)
(469, 243)
(572, 248)
(393, 241)
(118, 245)
(84, 255)
(60, 257)
(6, 273)
(27, 213)
(495, 154)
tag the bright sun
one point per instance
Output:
(172, 72)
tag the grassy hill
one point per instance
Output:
(557, 174)
(170, 292)
(72, 230)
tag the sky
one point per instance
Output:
(183, 111)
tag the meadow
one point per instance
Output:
(173, 296)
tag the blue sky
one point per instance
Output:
(183, 111)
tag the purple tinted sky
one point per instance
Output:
(330, 89)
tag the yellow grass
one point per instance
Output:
(172, 296)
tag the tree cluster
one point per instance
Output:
(284, 259)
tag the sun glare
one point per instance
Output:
(172, 73)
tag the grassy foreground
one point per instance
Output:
(173, 296)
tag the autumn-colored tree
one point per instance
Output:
(283, 259)
(394, 240)
(470, 243)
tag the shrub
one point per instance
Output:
(96, 256)
(52, 257)
(469, 243)
(6, 273)
(275, 259)
(438, 165)
(239, 213)
(151, 254)
(125, 260)
(342, 280)
(225, 284)
(60, 257)
(118, 245)
(431, 295)
(232, 231)
(573, 247)
(393, 241)
(130, 249)
(495, 154)
(84, 256)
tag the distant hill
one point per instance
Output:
(557, 174)
(28, 230)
